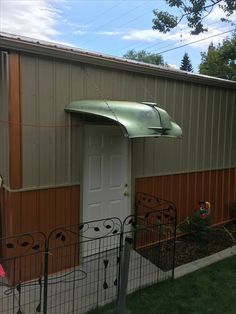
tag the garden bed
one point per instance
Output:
(188, 250)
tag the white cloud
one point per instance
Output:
(177, 37)
(147, 35)
(217, 13)
(83, 26)
(111, 33)
(181, 35)
(79, 32)
(36, 19)
(173, 66)
(204, 39)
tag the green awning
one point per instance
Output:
(136, 119)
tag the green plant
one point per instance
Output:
(197, 227)
(162, 229)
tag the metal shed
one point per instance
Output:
(44, 150)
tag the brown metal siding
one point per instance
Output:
(41, 210)
(4, 134)
(14, 109)
(186, 190)
(38, 210)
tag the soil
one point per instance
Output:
(188, 250)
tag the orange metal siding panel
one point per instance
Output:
(15, 168)
(40, 210)
(218, 196)
(13, 215)
(232, 191)
(63, 207)
(183, 197)
(228, 191)
(217, 187)
(47, 207)
(75, 205)
(213, 194)
(29, 211)
(3, 203)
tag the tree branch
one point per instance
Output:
(212, 5)
(208, 13)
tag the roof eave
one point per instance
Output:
(68, 54)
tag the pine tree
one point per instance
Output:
(186, 64)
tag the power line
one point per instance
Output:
(154, 44)
(150, 46)
(134, 19)
(169, 45)
(127, 13)
(126, 23)
(121, 25)
(104, 12)
(117, 18)
(196, 41)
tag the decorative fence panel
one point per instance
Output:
(77, 268)
(23, 260)
(87, 256)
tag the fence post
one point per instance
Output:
(173, 261)
(124, 276)
(45, 288)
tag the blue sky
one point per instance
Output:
(110, 27)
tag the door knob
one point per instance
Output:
(126, 193)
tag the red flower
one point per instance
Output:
(2, 272)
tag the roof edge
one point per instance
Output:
(54, 50)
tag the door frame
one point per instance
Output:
(129, 172)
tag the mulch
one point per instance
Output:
(188, 250)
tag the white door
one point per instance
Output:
(106, 176)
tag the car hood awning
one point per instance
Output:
(137, 119)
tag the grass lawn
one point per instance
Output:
(210, 290)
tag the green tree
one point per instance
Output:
(144, 56)
(220, 61)
(186, 64)
(194, 11)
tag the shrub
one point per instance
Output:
(198, 226)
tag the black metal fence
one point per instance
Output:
(78, 268)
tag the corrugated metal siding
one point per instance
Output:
(41, 210)
(14, 109)
(186, 190)
(46, 128)
(4, 136)
(206, 114)
(207, 117)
